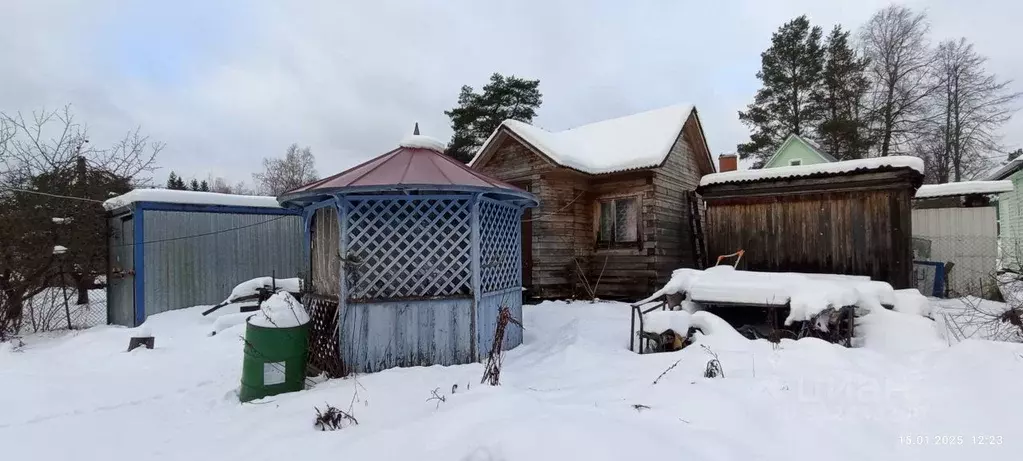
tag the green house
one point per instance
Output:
(797, 150)
(1010, 213)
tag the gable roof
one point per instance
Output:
(1007, 170)
(809, 144)
(633, 142)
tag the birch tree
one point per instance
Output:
(894, 40)
(970, 106)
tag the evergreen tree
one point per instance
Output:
(1015, 154)
(842, 131)
(791, 71)
(194, 185)
(204, 186)
(479, 114)
(175, 182)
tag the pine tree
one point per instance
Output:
(842, 131)
(204, 186)
(791, 71)
(479, 114)
(194, 185)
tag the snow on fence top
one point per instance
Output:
(963, 188)
(807, 294)
(190, 198)
(847, 166)
(636, 141)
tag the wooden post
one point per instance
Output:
(474, 257)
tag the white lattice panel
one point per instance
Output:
(415, 248)
(500, 240)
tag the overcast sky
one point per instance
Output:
(226, 83)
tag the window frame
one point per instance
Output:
(598, 217)
(796, 162)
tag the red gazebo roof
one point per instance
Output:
(418, 163)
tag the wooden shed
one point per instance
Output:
(616, 200)
(850, 217)
(418, 253)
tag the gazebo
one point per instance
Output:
(420, 253)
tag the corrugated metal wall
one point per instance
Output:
(121, 284)
(183, 270)
(967, 237)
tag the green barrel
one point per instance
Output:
(275, 360)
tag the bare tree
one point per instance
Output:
(280, 175)
(970, 106)
(220, 185)
(52, 182)
(895, 42)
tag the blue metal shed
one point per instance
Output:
(420, 251)
(173, 249)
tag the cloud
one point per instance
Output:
(227, 83)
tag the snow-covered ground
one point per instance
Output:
(569, 392)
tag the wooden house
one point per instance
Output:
(1010, 213)
(798, 151)
(615, 200)
(851, 217)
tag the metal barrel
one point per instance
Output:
(274, 360)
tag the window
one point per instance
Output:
(619, 222)
(795, 162)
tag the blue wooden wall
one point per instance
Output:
(380, 335)
(455, 258)
(486, 320)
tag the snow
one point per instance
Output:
(807, 294)
(281, 310)
(61, 220)
(963, 188)
(567, 393)
(190, 198)
(910, 301)
(661, 321)
(59, 249)
(636, 141)
(784, 172)
(418, 141)
(971, 318)
(251, 287)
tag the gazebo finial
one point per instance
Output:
(416, 130)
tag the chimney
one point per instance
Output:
(728, 162)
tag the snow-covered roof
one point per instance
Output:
(847, 166)
(963, 188)
(418, 141)
(189, 198)
(1007, 170)
(632, 142)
